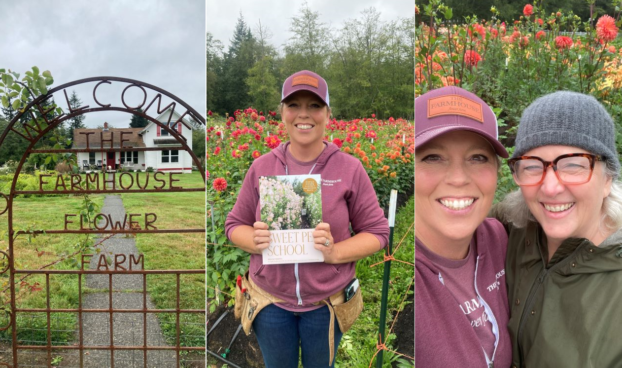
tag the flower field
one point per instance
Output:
(384, 147)
(510, 64)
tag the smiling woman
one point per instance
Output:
(564, 258)
(459, 254)
(304, 310)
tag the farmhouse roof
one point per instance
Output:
(134, 139)
(164, 118)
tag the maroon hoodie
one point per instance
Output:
(348, 197)
(444, 336)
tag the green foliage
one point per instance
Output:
(359, 343)
(198, 144)
(520, 63)
(76, 122)
(313, 204)
(507, 9)
(262, 84)
(16, 93)
(367, 64)
(138, 121)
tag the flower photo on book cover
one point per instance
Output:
(287, 205)
(291, 206)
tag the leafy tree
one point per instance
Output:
(308, 47)
(198, 144)
(77, 122)
(15, 94)
(138, 121)
(213, 60)
(368, 65)
(261, 81)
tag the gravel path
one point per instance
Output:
(127, 293)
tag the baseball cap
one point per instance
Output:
(451, 108)
(305, 80)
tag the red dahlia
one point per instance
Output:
(220, 184)
(606, 28)
(563, 42)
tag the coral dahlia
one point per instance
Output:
(472, 57)
(606, 28)
(563, 42)
(220, 184)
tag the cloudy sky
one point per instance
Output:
(277, 14)
(160, 42)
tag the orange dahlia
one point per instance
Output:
(606, 28)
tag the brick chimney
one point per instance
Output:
(105, 127)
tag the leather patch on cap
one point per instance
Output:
(455, 105)
(305, 79)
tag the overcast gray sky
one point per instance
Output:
(277, 15)
(160, 42)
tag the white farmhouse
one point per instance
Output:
(171, 158)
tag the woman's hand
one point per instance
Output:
(324, 242)
(261, 236)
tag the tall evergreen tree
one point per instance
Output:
(138, 121)
(213, 60)
(239, 59)
(77, 122)
(261, 81)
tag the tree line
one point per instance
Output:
(368, 65)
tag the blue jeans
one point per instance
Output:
(282, 334)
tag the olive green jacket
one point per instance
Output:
(567, 313)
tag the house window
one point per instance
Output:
(129, 156)
(164, 133)
(91, 158)
(170, 156)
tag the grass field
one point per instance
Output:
(161, 251)
(175, 252)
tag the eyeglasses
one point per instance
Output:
(572, 168)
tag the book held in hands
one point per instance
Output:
(291, 205)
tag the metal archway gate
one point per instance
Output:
(33, 123)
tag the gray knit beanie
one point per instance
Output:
(568, 119)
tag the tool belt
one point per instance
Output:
(250, 299)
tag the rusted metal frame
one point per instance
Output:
(12, 277)
(49, 337)
(178, 329)
(37, 100)
(118, 347)
(80, 322)
(119, 149)
(53, 124)
(117, 272)
(142, 231)
(111, 191)
(61, 118)
(107, 310)
(111, 321)
(145, 320)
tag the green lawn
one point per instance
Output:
(175, 251)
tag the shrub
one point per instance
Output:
(63, 168)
